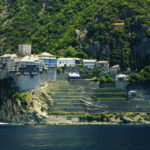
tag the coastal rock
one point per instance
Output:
(114, 120)
(35, 110)
(126, 119)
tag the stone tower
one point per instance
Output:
(24, 49)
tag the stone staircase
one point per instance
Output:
(68, 97)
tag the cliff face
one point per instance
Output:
(29, 107)
(79, 29)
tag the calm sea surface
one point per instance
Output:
(83, 137)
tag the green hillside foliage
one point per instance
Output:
(79, 29)
(142, 78)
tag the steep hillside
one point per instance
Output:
(79, 28)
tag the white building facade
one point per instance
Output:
(66, 62)
(102, 64)
(49, 59)
(89, 63)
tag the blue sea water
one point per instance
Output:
(75, 137)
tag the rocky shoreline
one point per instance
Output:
(72, 123)
(109, 119)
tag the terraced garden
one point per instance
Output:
(115, 100)
(68, 97)
(85, 97)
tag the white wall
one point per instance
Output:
(51, 74)
(89, 64)
(68, 63)
(26, 82)
(102, 65)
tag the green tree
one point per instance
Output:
(135, 79)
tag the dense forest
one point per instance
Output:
(79, 28)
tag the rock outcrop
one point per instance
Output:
(33, 109)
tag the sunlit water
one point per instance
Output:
(84, 137)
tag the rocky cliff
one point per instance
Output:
(22, 107)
